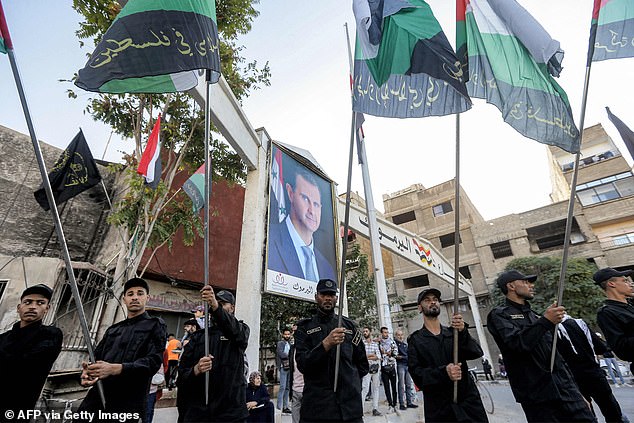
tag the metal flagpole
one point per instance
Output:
(456, 260)
(346, 225)
(383, 305)
(51, 200)
(573, 193)
(207, 189)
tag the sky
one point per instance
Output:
(308, 102)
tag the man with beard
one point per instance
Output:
(525, 339)
(373, 379)
(316, 341)
(228, 339)
(127, 357)
(28, 351)
(431, 365)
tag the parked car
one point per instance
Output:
(623, 367)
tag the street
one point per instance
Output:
(506, 409)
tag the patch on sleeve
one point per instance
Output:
(357, 338)
(313, 330)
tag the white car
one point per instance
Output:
(623, 367)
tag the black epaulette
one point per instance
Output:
(304, 321)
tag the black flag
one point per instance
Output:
(74, 172)
(626, 133)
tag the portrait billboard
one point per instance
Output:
(302, 231)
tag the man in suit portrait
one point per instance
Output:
(292, 248)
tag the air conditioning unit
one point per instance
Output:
(577, 238)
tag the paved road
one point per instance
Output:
(506, 409)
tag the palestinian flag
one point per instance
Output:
(612, 31)
(194, 187)
(510, 60)
(155, 46)
(404, 66)
(5, 40)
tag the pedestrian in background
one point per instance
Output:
(372, 381)
(405, 390)
(283, 364)
(389, 351)
(486, 367)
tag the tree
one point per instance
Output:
(582, 297)
(361, 291)
(149, 218)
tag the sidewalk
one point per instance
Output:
(504, 413)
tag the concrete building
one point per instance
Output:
(602, 230)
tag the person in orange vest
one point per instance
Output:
(173, 353)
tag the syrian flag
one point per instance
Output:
(510, 60)
(277, 184)
(150, 164)
(613, 29)
(5, 40)
(404, 66)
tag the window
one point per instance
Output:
(443, 208)
(448, 240)
(623, 239)
(606, 189)
(416, 282)
(501, 249)
(399, 219)
(464, 271)
(552, 234)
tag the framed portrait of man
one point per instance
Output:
(302, 227)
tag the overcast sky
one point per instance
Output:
(308, 102)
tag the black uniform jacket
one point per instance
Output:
(320, 402)
(525, 340)
(581, 360)
(228, 339)
(26, 356)
(616, 320)
(138, 344)
(428, 357)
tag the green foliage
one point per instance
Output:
(279, 313)
(361, 291)
(582, 297)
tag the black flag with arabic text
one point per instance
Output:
(74, 172)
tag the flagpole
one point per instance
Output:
(51, 199)
(207, 189)
(383, 305)
(456, 250)
(573, 193)
(346, 226)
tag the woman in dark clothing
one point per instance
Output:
(258, 401)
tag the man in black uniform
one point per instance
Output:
(228, 339)
(316, 341)
(430, 363)
(27, 352)
(525, 339)
(579, 346)
(127, 357)
(616, 317)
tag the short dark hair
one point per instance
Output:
(286, 330)
(171, 334)
(383, 327)
(504, 289)
(307, 175)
